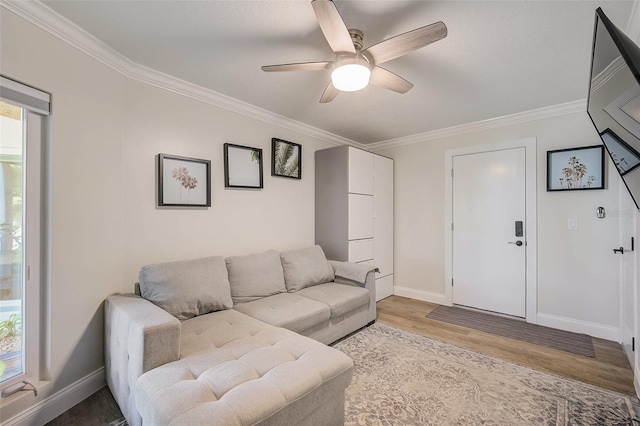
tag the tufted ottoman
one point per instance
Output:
(237, 370)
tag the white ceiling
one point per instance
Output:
(499, 58)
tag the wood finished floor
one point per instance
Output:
(609, 369)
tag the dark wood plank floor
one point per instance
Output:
(609, 369)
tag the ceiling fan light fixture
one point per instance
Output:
(351, 74)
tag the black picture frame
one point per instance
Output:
(239, 168)
(576, 169)
(622, 154)
(286, 159)
(183, 181)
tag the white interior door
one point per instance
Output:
(628, 287)
(489, 265)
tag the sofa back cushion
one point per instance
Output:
(187, 288)
(305, 267)
(255, 276)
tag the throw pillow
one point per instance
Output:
(305, 267)
(187, 288)
(255, 276)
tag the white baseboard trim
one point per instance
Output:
(425, 296)
(56, 404)
(577, 326)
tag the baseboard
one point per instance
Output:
(569, 324)
(636, 381)
(425, 296)
(56, 404)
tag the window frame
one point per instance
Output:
(34, 314)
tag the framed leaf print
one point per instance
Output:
(286, 159)
(242, 166)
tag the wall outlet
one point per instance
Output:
(572, 223)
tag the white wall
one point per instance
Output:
(280, 216)
(85, 179)
(106, 132)
(578, 274)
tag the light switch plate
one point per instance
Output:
(572, 223)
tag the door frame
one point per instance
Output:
(531, 258)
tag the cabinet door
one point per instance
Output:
(383, 215)
(360, 171)
(360, 250)
(360, 216)
(384, 287)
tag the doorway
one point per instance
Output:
(491, 228)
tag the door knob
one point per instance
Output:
(518, 243)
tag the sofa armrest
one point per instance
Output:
(139, 336)
(360, 275)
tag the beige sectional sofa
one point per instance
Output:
(237, 341)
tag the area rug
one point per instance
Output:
(401, 378)
(575, 343)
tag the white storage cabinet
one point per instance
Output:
(354, 210)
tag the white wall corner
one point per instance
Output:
(601, 331)
(59, 402)
(425, 296)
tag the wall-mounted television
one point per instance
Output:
(614, 99)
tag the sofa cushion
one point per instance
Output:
(340, 298)
(187, 288)
(305, 267)
(255, 276)
(287, 310)
(251, 373)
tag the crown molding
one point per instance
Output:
(609, 72)
(50, 21)
(507, 120)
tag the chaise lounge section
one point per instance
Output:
(240, 340)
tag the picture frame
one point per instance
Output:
(286, 159)
(622, 154)
(183, 181)
(575, 168)
(242, 167)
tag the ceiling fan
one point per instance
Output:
(354, 68)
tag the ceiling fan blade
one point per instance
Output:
(402, 44)
(332, 26)
(386, 79)
(302, 66)
(329, 94)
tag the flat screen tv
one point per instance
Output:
(614, 99)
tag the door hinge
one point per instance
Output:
(451, 282)
(451, 172)
(28, 273)
(452, 226)
(633, 344)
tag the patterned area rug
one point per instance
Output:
(401, 378)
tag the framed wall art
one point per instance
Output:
(575, 168)
(242, 166)
(286, 159)
(623, 155)
(183, 181)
